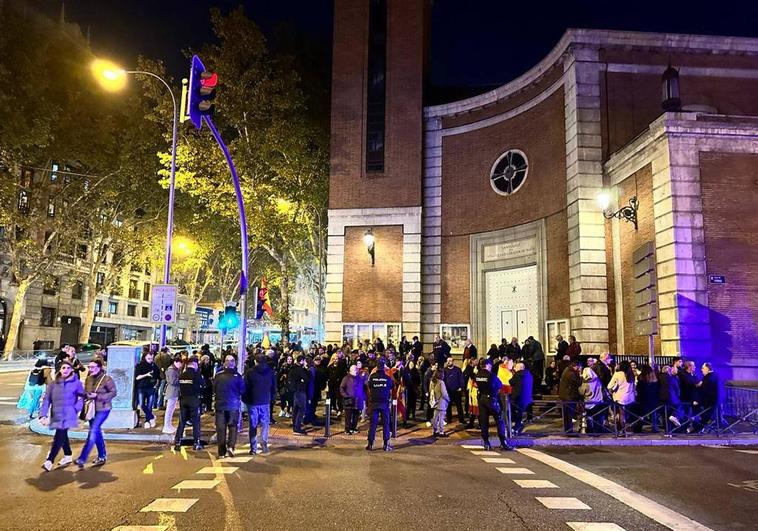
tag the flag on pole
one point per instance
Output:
(263, 304)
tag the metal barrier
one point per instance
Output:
(328, 418)
(28, 355)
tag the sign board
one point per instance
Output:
(646, 328)
(644, 265)
(163, 303)
(716, 279)
(645, 313)
(645, 293)
(649, 296)
(644, 281)
(514, 249)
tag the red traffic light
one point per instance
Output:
(209, 79)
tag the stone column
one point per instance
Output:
(586, 224)
(432, 229)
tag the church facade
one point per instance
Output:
(608, 193)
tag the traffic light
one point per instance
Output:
(201, 92)
(228, 319)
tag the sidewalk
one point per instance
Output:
(16, 366)
(414, 435)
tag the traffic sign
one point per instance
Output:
(163, 303)
(716, 279)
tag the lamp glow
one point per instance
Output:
(110, 75)
(368, 239)
(604, 200)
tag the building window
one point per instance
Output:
(376, 85)
(23, 201)
(26, 177)
(112, 307)
(181, 308)
(98, 306)
(131, 310)
(133, 290)
(100, 279)
(509, 172)
(78, 290)
(146, 292)
(48, 317)
(50, 208)
(52, 285)
(145, 312)
(54, 172)
(81, 251)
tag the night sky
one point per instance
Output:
(474, 42)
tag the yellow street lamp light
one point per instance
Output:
(110, 75)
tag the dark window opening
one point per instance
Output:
(131, 310)
(48, 317)
(52, 285)
(145, 312)
(376, 86)
(77, 291)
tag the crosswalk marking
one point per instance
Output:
(217, 470)
(498, 460)
(515, 471)
(169, 505)
(535, 484)
(140, 528)
(748, 451)
(472, 446)
(240, 459)
(594, 526)
(562, 502)
(197, 484)
(483, 452)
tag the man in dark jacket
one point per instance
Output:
(522, 383)
(568, 391)
(228, 388)
(190, 392)
(535, 360)
(669, 394)
(469, 350)
(260, 393)
(299, 379)
(603, 370)
(561, 349)
(379, 395)
(416, 348)
(454, 383)
(513, 350)
(710, 396)
(440, 352)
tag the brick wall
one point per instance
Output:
(350, 186)
(557, 266)
(456, 280)
(469, 205)
(373, 294)
(729, 184)
(641, 185)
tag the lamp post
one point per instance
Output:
(627, 212)
(113, 78)
(369, 240)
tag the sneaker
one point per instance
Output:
(675, 421)
(506, 447)
(99, 461)
(369, 447)
(67, 460)
(169, 431)
(230, 451)
(282, 413)
(387, 447)
(265, 450)
(221, 456)
(487, 446)
(177, 447)
(79, 463)
(252, 451)
(146, 425)
(47, 465)
(428, 424)
(198, 446)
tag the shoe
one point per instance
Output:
(675, 421)
(79, 463)
(300, 432)
(169, 431)
(287, 415)
(230, 451)
(100, 461)
(198, 446)
(281, 413)
(442, 434)
(146, 425)
(470, 426)
(369, 447)
(47, 465)
(265, 449)
(487, 446)
(221, 456)
(428, 424)
(252, 451)
(387, 447)
(505, 447)
(435, 435)
(67, 460)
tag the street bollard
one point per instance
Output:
(394, 419)
(509, 420)
(328, 418)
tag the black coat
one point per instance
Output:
(561, 350)
(568, 388)
(687, 387)
(648, 395)
(668, 390)
(299, 378)
(260, 385)
(228, 387)
(522, 385)
(711, 392)
(603, 373)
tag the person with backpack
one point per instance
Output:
(34, 387)
(100, 391)
(64, 399)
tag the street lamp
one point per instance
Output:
(113, 78)
(627, 212)
(369, 240)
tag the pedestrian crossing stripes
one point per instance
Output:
(535, 484)
(169, 505)
(594, 526)
(240, 459)
(498, 460)
(140, 528)
(748, 451)
(472, 446)
(515, 471)
(197, 484)
(562, 502)
(217, 470)
(483, 452)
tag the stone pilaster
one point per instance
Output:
(586, 224)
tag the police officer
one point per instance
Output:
(487, 386)
(190, 393)
(228, 388)
(380, 394)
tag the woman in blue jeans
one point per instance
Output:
(146, 375)
(99, 387)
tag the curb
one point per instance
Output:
(522, 442)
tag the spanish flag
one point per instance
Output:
(263, 305)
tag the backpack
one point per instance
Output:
(37, 377)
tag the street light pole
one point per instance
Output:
(171, 191)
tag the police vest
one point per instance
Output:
(380, 388)
(484, 383)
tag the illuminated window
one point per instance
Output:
(51, 208)
(509, 172)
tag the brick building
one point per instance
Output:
(483, 213)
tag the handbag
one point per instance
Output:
(89, 405)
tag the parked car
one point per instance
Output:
(85, 352)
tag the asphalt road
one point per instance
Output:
(423, 486)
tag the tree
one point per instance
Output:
(279, 148)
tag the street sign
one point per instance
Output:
(716, 279)
(648, 296)
(163, 303)
(646, 328)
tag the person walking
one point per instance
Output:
(228, 388)
(439, 399)
(172, 393)
(190, 394)
(100, 391)
(522, 384)
(34, 388)
(65, 395)
(146, 375)
(299, 378)
(260, 392)
(454, 383)
(379, 394)
(348, 391)
(488, 386)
